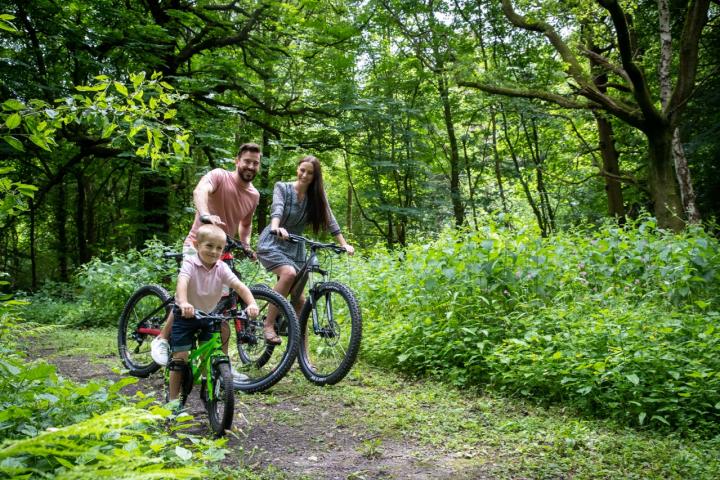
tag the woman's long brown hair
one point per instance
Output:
(317, 206)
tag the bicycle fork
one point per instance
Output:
(329, 331)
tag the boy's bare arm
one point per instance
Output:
(181, 297)
(247, 297)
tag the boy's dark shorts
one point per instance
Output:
(182, 337)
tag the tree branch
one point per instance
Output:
(695, 21)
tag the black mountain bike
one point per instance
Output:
(330, 320)
(263, 364)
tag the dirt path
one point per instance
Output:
(303, 431)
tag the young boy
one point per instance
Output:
(199, 286)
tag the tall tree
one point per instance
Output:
(633, 102)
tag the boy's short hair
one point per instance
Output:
(206, 231)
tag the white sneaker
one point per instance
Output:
(160, 351)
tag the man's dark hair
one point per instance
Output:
(249, 147)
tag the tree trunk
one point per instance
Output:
(667, 206)
(687, 193)
(61, 245)
(348, 209)
(33, 255)
(80, 226)
(455, 193)
(611, 166)
(263, 208)
(154, 206)
(496, 157)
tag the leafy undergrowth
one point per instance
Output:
(445, 429)
(613, 322)
(53, 427)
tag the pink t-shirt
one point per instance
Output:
(205, 285)
(230, 200)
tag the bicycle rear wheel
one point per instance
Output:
(221, 400)
(140, 321)
(331, 349)
(263, 364)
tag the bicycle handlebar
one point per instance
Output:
(199, 315)
(230, 242)
(292, 238)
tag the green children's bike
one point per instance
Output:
(208, 367)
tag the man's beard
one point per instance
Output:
(247, 175)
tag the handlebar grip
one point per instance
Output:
(291, 238)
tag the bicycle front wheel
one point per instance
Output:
(331, 330)
(141, 320)
(260, 364)
(220, 399)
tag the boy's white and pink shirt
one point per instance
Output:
(205, 285)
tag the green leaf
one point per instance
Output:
(91, 88)
(13, 121)
(167, 85)
(183, 453)
(121, 88)
(27, 190)
(117, 386)
(64, 463)
(641, 417)
(137, 79)
(14, 142)
(633, 378)
(8, 27)
(109, 128)
(170, 114)
(40, 142)
(13, 104)
(660, 419)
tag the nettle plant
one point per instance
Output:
(616, 321)
(100, 288)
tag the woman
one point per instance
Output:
(295, 204)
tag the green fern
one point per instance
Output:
(105, 446)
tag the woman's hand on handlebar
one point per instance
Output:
(349, 249)
(187, 310)
(281, 232)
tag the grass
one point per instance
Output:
(507, 437)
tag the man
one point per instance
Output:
(226, 199)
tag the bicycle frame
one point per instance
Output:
(312, 265)
(207, 354)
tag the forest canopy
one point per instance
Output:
(426, 115)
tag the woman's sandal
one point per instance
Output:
(271, 337)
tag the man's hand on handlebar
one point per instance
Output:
(248, 251)
(214, 219)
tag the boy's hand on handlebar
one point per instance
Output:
(187, 310)
(349, 249)
(252, 310)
